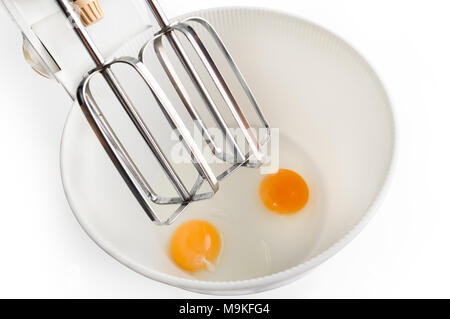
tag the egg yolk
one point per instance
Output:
(195, 245)
(285, 192)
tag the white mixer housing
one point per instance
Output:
(51, 47)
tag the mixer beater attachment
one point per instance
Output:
(118, 154)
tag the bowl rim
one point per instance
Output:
(269, 282)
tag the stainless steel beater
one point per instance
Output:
(122, 160)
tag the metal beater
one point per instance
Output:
(135, 180)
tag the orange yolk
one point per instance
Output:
(285, 192)
(195, 245)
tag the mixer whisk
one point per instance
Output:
(248, 155)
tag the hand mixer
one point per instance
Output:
(85, 12)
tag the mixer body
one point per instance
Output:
(53, 49)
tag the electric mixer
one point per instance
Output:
(49, 25)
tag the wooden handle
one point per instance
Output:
(90, 11)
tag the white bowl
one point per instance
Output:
(311, 84)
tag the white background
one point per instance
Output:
(404, 252)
